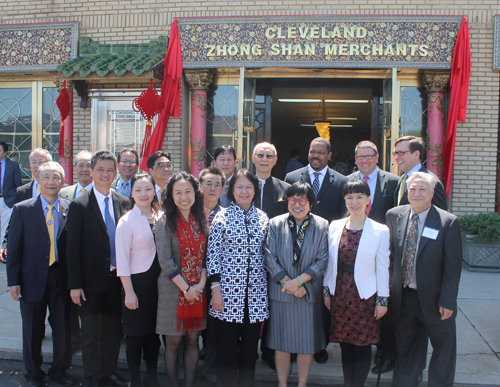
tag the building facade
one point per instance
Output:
(107, 51)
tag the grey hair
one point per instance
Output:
(262, 144)
(80, 154)
(36, 150)
(422, 176)
(52, 164)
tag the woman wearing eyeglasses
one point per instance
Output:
(296, 256)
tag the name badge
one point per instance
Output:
(430, 233)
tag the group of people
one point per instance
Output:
(237, 256)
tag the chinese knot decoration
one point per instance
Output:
(65, 107)
(149, 105)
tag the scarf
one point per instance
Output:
(298, 236)
(190, 314)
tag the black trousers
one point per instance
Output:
(33, 322)
(101, 330)
(234, 370)
(411, 330)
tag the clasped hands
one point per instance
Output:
(292, 286)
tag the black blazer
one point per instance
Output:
(383, 199)
(11, 180)
(29, 249)
(439, 261)
(24, 192)
(274, 197)
(439, 198)
(331, 203)
(89, 249)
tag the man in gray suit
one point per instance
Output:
(426, 263)
(82, 172)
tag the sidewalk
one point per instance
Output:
(478, 326)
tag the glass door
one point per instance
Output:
(246, 121)
(390, 120)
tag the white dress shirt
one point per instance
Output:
(312, 177)
(372, 182)
(100, 200)
(79, 188)
(34, 188)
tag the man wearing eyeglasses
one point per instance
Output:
(127, 164)
(409, 152)
(161, 169)
(382, 184)
(273, 191)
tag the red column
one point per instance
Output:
(67, 159)
(198, 81)
(436, 84)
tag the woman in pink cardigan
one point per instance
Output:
(138, 269)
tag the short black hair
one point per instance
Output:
(251, 177)
(102, 155)
(302, 188)
(155, 204)
(294, 153)
(322, 141)
(212, 171)
(225, 149)
(155, 156)
(133, 151)
(354, 186)
(5, 146)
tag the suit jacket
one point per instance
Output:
(331, 203)
(438, 264)
(274, 197)
(89, 248)
(24, 192)
(69, 192)
(29, 249)
(439, 199)
(371, 268)
(11, 180)
(383, 199)
(313, 258)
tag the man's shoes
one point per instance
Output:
(270, 360)
(64, 380)
(94, 383)
(115, 380)
(420, 377)
(321, 357)
(378, 356)
(36, 383)
(387, 365)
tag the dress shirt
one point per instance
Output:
(55, 212)
(422, 216)
(223, 200)
(34, 188)
(100, 200)
(262, 184)
(120, 182)
(158, 193)
(2, 164)
(372, 182)
(321, 176)
(79, 189)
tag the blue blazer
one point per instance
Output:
(11, 180)
(29, 249)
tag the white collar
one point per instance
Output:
(312, 171)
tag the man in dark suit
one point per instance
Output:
(327, 184)
(37, 158)
(10, 179)
(92, 220)
(382, 183)
(409, 152)
(426, 263)
(273, 191)
(83, 177)
(37, 275)
(128, 165)
(273, 202)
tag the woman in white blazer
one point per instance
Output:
(356, 282)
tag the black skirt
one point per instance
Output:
(142, 321)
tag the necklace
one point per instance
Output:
(355, 227)
(149, 217)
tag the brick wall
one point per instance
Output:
(137, 21)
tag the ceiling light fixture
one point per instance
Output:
(342, 118)
(331, 126)
(326, 100)
(322, 125)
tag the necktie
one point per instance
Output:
(402, 188)
(83, 190)
(111, 226)
(51, 228)
(125, 189)
(38, 189)
(409, 251)
(369, 206)
(316, 184)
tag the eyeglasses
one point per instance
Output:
(38, 162)
(361, 158)
(164, 166)
(262, 155)
(400, 153)
(302, 201)
(128, 162)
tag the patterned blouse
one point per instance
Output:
(236, 259)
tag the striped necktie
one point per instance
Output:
(409, 251)
(316, 184)
(51, 228)
(402, 188)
